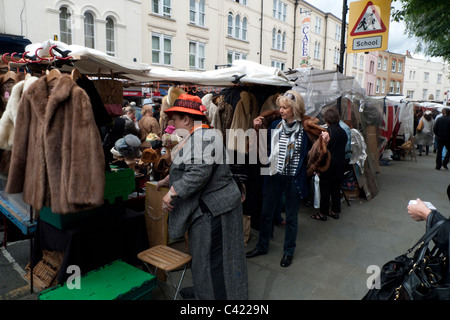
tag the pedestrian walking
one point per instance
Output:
(424, 137)
(442, 131)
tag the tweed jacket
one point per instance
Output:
(196, 179)
(57, 157)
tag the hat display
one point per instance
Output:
(187, 103)
(128, 146)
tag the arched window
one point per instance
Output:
(279, 40)
(283, 42)
(237, 27)
(110, 37)
(244, 28)
(230, 24)
(65, 25)
(274, 38)
(89, 31)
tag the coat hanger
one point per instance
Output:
(53, 74)
(75, 74)
(10, 75)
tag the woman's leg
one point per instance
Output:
(293, 201)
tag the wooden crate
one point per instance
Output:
(46, 271)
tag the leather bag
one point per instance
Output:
(420, 126)
(424, 276)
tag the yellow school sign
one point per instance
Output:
(368, 27)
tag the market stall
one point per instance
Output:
(233, 96)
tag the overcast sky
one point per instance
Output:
(398, 41)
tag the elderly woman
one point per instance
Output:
(131, 125)
(205, 201)
(148, 123)
(287, 174)
(424, 137)
(330, 180)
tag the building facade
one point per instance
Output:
(426, 80)
(114, 27)
(390, 71)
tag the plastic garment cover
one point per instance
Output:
(359, 154)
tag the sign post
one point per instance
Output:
(368, 25)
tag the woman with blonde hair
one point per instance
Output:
(290, 144)
(148, 123)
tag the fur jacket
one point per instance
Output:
(8, 119)
(57, 157)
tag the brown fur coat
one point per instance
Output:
(57, 157)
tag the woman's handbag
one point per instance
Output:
(425, 276)
(419, 127)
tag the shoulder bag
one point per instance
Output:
(424, 276)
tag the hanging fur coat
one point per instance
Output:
(57, 157)
(8, 119)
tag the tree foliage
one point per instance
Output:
(428, 21)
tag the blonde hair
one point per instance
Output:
(295, 100)
(147, 109)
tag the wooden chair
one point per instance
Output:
(167, 259)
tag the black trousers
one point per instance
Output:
(330, 188)
(440, 145)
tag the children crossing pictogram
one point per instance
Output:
(369, 22)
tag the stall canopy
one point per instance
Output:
(94, 62)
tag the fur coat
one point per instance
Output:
(57, 157)
(8, 119)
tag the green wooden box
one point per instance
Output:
(115, 281)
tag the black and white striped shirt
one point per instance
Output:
(293, 163)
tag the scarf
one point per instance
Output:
(292, 130)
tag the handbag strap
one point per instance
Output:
(429, 234)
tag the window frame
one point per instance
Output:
(109, 41)
(92, 25)
(161, 51)
(163, 8)
(66, 36)
(199, 60)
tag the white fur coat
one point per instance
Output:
(8, 119)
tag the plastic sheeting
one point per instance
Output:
(321, 87)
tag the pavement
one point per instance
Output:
(333, 259)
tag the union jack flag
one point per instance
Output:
(390, 121)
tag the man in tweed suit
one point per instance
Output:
(205, 201)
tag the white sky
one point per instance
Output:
(398, 41)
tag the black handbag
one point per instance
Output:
(424, 276)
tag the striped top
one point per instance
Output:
(293, 163)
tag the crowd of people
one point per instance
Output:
(433, 132)
(205, 202)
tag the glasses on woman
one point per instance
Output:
(290, 96)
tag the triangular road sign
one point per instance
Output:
(369, 22)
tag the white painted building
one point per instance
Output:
(113, 26)
(425, 80)
(188, 34)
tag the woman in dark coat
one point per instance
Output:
(330, 180)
